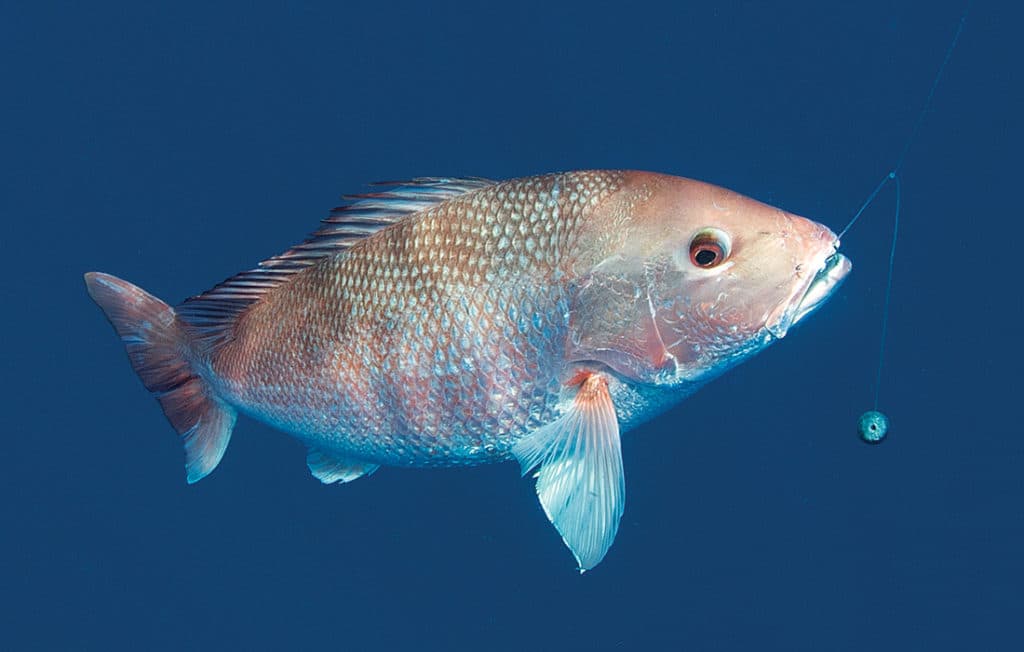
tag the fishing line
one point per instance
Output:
(873, 425)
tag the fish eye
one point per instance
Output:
(709, 248)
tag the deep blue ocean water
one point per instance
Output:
(174, 145)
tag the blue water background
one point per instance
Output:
(175, 144)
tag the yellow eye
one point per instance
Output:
(709, 248)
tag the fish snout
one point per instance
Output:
(819, 269)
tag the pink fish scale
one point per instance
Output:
(437, 342)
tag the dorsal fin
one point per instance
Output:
(211, 314)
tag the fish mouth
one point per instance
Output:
(833, 272)
(825, 282)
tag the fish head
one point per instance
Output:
(698, 279)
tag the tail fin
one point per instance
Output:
(159, 350)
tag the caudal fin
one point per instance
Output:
(159, 350)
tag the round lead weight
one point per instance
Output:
(873, 426)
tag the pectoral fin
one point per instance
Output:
(330, 468)
(579, 480)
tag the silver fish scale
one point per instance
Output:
(437, 341)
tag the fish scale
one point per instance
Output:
(406, 349)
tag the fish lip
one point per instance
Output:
(833, 271)
(825, 283)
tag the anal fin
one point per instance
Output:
(330, 468)
(579, 480)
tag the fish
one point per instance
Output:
(442, 322)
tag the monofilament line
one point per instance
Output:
(888, 292)
(893, 175)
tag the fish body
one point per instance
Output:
(451, 322)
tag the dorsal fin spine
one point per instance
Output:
(211, 315)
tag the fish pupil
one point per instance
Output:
(705, 257)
